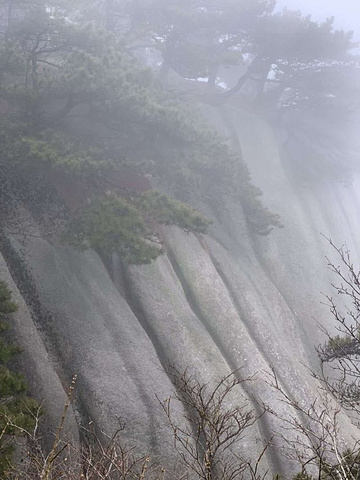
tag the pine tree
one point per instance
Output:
(16, 409)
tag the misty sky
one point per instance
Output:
(346, 12)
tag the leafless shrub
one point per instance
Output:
(101, 457)
(324, 451)
(341, 353)
(318, 447)
(207, 446)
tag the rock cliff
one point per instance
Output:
(227, 301)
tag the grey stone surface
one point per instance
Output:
(214, 304)
(38, 366)
(93, 333)
(176, 327)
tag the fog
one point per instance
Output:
(171, 172)
(346, 12)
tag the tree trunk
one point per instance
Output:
(34, 73)
(213, 76)
(263, 80)
(238, 86)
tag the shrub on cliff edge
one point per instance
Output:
(16, 409)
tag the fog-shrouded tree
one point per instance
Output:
(58, 65)
(196, 37)
(287, 46)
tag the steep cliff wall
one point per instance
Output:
(214, 304)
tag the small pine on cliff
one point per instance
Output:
(17, 410)
(113, 224)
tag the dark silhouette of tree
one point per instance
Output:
(17, 410)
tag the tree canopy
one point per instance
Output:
(284, 61)
(62, 62)
(58, 66)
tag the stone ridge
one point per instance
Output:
(213, 304)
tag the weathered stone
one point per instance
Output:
(213, 304)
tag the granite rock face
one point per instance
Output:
(228, 301)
